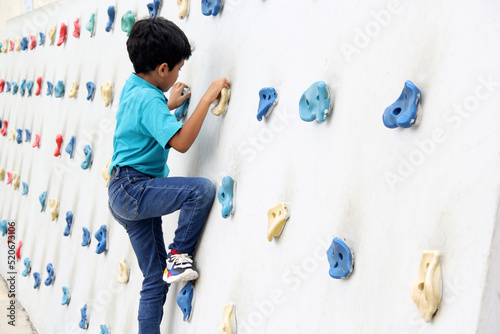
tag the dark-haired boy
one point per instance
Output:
(140, 192)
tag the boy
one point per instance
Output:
(140, 192)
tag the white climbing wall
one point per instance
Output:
(390, 193)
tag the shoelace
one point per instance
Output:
(182, 258)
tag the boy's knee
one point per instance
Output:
(207, 188)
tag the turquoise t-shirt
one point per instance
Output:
(144, 125)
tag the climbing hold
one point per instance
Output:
(37, 141)
(73, 90)
(102, 236)
(59, 89)
(225, 194)
(104, 330)
(91, 25)
(88, 157)
(124, 272)
(33, 42)
(52, 34)
(277, 217)
(42, 198)
(84, 322)
(316, 103)
(111, 15)
(3, 227)
(76, 32)
(9, 177)
(11, 45)
(3, 47)
(340, 258)
(42, 38)
(406, 111)
(66, 296)
(180, 112)
(50, 87)
(185, 299)
(59, 141)
(15, 88)
(2, 173)
(29, 86)
(19, 138)
(27, 267)
(268, 99)
(17, 45)
(70, 147)
(86, 237)
(183, 8)
(22, 87)
(12, 135)
(154, 8)
(106, 92)
(36, 276)
(128, 20)
(221, 104)
(18, 250)
(211, 7)
(39, 86)
(52, 275)
(25, 189)
(28, 135)
(2, 85)
(427, 288)
(63, 31)
(8, 86)
(69, 223)
(24, 43)
(105, 173)
(90, 89)
(54, 207)
(228, 320)
(15, 181)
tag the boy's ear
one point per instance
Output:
(163, 69)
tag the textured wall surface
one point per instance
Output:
(390, 193)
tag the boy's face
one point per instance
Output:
(168, 78)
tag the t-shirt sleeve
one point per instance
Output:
(159, 122)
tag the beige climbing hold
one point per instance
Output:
(183, 8)
(52, 34)
(15, 181)
(124, 272)
(12, 134)
(222, 102)
(228, 320)
(17, 44)
(2, 174)
(5, 46)
(73, 90)
(426, 290)
(277, 217)
(105, 173)
(106, 91)
(54, 206)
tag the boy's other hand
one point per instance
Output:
(214, 90)
(176, 98)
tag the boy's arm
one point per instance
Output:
(185, 137)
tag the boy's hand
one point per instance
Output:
(176, 98)
(214, 90)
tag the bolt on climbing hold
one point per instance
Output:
(316, 103)
(11, 45)
(211, 7)
(154, 8)
(87, 150)
(36, 277)
(29, 87)
(63, 32)
(15, 181)
(427, 288)
(84, 322)
(25, 189)
(33, 42)
(225, 195)
(2, 85)
(42, 39)
(180, 112)
(4, 128)
(59, 89)
(90, 89)
(104, 330)
(8, 86)
(73, 90)
(102, 236)
(106, 92)
(51, 34)
(76, 32)
(19, 138)
(9, 177)
(59, 141)
(340, 258)
(268, 98)
(39, 86)
(111, 20)
(128, 20)
(24, 43)
(18, 250)
(27, 267)
(222, 102)
(50, 88)
(15, 88)
(37, 141)
(71, 146)
(124, 272)
(185, 300)
(2, 173)
(52, 274)
(228, 325)
(42, 198)
(406, 111)
(12, 134)
(91, 25)
(277, 217)
(28, 135)
(105, 173)
(69, 223)
(183, 8)
(3, 227)
(17, 44)
(66, 296)
(3, 47)
(22, 87)
(54, 207)
(85, 237)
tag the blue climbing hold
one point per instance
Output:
(59, 90)
(15, 88)
(42, 198)
(50, 87)
(52, 274)
(88, 157)
(19, 138)
(90, 89)
(24, 43)
(69, 223)
(8, 86)
(42, 38)
(3, 227)
(70, 147)
(22, 88)
(25, 188)
(185, 300)
(340, 259)
(84, 323)
(104, 330)
(180, 112)
(29, 86)
(85, 237)
(154, 8)
(268, 99)
(225, 194)
(211, 7)
(27, 267)
(36, 276)
(101, 236)
(405, 112)
(28, 135)
(315, 103)
(66, 296)
(111, 14)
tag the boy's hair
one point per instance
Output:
(153, 42)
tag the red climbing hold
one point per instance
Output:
(39, 83)
(59, 140)
(2, 84)
(33, 42)
(76, 33)
(4, 128)
(18, 250)
(62, 34)
(37, 141)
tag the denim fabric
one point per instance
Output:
(138, 202)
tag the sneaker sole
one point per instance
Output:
(188, 275)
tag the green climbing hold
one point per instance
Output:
(91, 25)
(128, 20)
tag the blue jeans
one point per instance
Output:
(138, 202)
